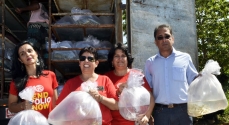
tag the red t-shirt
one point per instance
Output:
(44, 89)
(117, 118)
(103, 81)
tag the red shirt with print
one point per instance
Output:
(44, 90)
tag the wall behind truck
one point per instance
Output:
(145, 15)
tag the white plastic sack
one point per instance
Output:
(84, 19)
(78, 108)
(81, 44)
(64, 55)
(103, 54)
(134, 99)
(28, 117)
(205, 94)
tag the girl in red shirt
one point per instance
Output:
(28, 70)
(120, 62)
(106, 94)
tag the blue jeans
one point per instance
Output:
(172, 116)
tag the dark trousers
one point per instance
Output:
(171, 116)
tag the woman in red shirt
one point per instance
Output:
(120, 62)
(106, 93)
(28, 70)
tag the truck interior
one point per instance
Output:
(61, 28)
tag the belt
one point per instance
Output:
(169, 105)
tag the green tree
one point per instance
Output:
(212, 18)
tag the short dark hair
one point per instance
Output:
(91, 50)
(111, 54)
(162, 26)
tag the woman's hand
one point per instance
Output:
(143, 119)
(121, 86)
(26, 105)
(18, 10)
(95, 94)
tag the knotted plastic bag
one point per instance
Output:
(134, 99)
(28, 117)
(205, 94)
(78, 108)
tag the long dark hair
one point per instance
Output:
(111, 54)
(18, 71)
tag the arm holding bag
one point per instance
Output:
(134, 99)
(78, 108)
(28, 117)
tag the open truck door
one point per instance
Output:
(145, 15)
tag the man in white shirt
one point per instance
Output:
(169, 74)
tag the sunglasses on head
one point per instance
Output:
(89, 58)
(161, 37)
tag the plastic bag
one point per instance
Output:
(66, 20)
(205, 94)
(84, 19)
(134, 99)
(81, 44)
(28, 117)
(78, 108)
(64, 55)
(27, 94)
(103, 54)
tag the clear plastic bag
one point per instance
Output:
(103, 54)
(205, 94)
(28, 117)
(66, 20)
(64, 55)
(84, 19)
(134, 99)
(78, 108)
(81, 44)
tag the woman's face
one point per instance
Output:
(88, 63)
(119, 60)
(27, 55)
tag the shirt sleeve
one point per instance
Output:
(191, 71)
(13, 89)
(54, 81)
(146, 84)
(64, 93)
(147, 74)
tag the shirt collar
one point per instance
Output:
(173, 53)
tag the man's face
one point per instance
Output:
(164, 40)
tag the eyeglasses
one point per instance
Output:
(161, 37)
(89, 58)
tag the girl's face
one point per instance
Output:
(88, 63)
(119, 59)
(27, 55)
